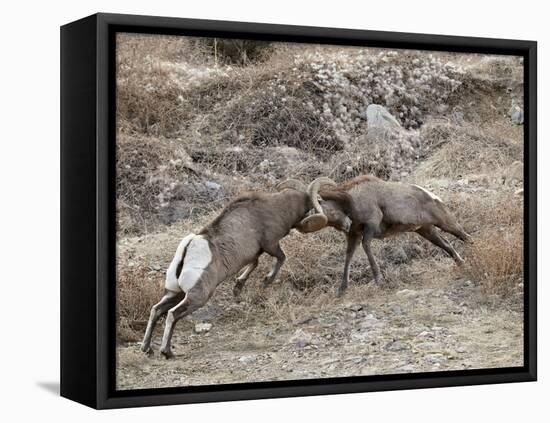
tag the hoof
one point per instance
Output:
(146, 349)
(340, 292)
(167, 354)
(237, 295)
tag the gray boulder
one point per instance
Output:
(516, 113)
(380, 121)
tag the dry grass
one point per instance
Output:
(465, 149)
(138, 289)
(495, 261)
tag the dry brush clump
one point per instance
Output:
(138, 289)
(148, 99)
(162, 82)
(391, 157)
(237, 51)
(460, 150)
(495, 260)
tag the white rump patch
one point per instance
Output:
(197, 257)
(431, 194)
(171, 278)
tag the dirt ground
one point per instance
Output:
(436, 326)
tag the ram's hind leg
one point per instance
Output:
(169, 299)
(193, 300)
(430, 233)
(445, 221)
(244, 277)
(353, 241)
(279, 254)
(372, 261)
(372, 229)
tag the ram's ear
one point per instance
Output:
(312, 223)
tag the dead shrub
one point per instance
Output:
(138, 289)
(390, 157)
(465, 149)
(274, 112)
(476, 212)
(495, 261)
(241, 52)
(148, 99)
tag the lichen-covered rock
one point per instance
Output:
(379, 117)
(516, 114)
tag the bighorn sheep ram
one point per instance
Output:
(378, 209)
(250, 225)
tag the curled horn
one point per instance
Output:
(316, 221)
(313, 191)
(292, 184)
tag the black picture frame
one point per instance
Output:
(88, 210)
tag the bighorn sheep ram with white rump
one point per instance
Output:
(250, 225)
(378, 209)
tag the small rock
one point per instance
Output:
(436, 358)
(397, 346)
(515, 172)
(461, 350)
(212, 185)
(468, 283)
(301, 339)
(427, 346)
(519, 192)
(381, 123)
(481, 179)
(407, 293)
(443, 183)
(394, 254)
(379, 117)
(202, 327)
(516, 114)
(356, 307)
(397, 310)
(246, 359)
(408, 368)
